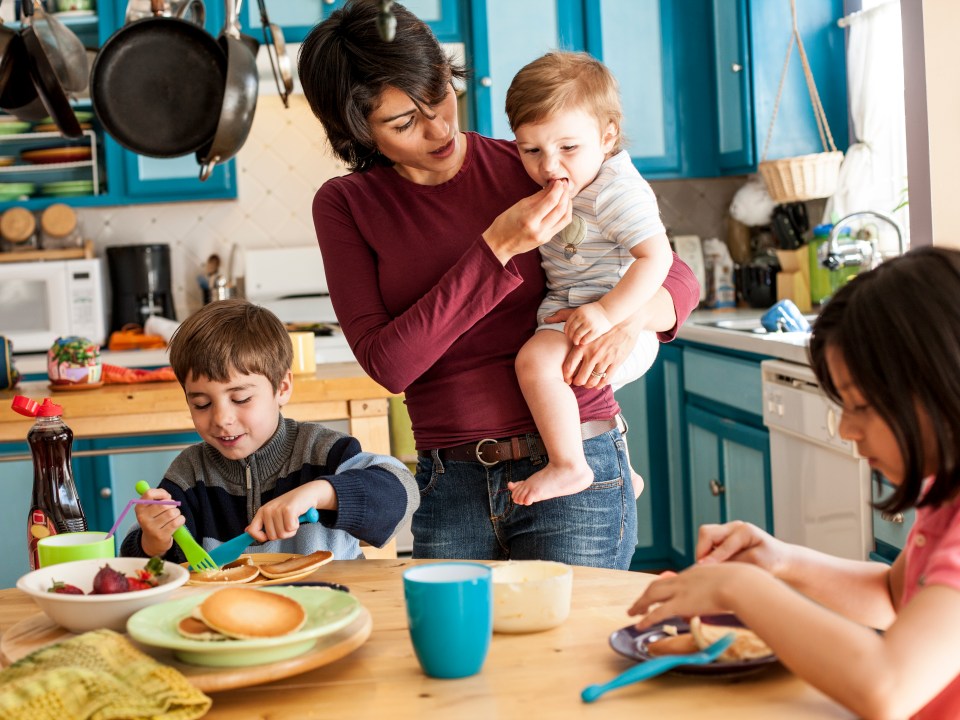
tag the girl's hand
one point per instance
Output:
(279, 519)
(699, 590)
(741, 542)
(157, 522)
(587, 323)
(530, 223)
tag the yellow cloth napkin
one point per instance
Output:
(96, 676)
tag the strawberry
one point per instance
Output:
(137, 584)
(63, 588)
(108, 581)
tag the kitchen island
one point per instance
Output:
(535, 675)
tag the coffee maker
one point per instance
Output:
(140, 281)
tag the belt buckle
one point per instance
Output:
(478, 449)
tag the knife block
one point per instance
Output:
(793, 282)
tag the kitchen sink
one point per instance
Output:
(747, 325)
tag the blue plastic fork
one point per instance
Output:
(658, 666)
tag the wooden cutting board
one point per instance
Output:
(38, 631)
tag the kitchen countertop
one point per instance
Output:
(791, 347)
(336, 391)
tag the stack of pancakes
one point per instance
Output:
(245, 570)
(243, 614)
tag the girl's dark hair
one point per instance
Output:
(231, 335)
(345, 66)
(898, 330)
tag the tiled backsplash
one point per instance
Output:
(283, 162)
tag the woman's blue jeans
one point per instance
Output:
(466, 511)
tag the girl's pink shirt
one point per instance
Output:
(933, 558)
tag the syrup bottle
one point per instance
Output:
(55, 505)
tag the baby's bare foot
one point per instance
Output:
(551, 482)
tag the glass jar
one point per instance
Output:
(59, 228)
(18, 230)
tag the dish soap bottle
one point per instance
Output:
(55, 505)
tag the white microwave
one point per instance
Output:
(43, 300)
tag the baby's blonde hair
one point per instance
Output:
(563, 80)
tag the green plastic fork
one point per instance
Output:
(198, 558)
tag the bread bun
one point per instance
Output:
(296, 565)
(746, 645)
(195, 629)
(235, 572)
(249, 613)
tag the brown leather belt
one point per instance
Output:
(489, 452)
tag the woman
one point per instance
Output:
(436, 287)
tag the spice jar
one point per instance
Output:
(59, 228)
(18, 230)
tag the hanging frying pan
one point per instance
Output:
(157, 85)
(45, 79)
(18, 96)
(239, 97)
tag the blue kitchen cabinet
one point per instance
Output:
(727, 470)
(890, 530)
(297, 17)
(652, 407)
(750, 40)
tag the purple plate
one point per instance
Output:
(634, 644)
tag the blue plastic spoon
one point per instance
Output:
(658, 666)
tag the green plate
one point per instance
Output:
(82, 116)
(327, 611)
(68, 187)
(14, 127)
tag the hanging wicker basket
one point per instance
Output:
(804, 177)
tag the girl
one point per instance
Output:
(887, 349)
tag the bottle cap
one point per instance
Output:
(31, 408)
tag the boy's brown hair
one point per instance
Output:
(231, 335)
(563, 80)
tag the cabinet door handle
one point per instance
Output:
(105, 492)
(892, 517)
(735, 67)
(486, 81)
(716, 489)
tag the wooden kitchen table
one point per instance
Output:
(538, 675)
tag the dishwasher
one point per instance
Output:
(821, 487)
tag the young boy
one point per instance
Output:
(255, 470)
(564, 109)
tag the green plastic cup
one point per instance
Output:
(67, 547)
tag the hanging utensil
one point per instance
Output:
(157, 85)
(276, 47)
(45, 79)
(239, 97)
(18, 95)
(67, 54)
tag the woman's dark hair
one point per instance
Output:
(898, 330)
(345, 66)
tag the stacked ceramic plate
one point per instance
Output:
(67, 188)
(16, 191)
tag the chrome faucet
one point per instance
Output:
(859, 252)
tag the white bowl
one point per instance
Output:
(80, 613)
(530, 595)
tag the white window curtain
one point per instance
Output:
(874, 171)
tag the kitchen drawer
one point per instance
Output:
(723, 379)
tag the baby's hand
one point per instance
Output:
(587, 323)
(157, 522)
(279, 518)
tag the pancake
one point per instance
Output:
(249, 613)
(191, 627)
(673, 645)
(746, 645)
(235, 572)
(296, 565)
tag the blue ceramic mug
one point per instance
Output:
(784, 316)
(450, 611)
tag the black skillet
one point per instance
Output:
(157, 85)
(44, 78)
(18, 95)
